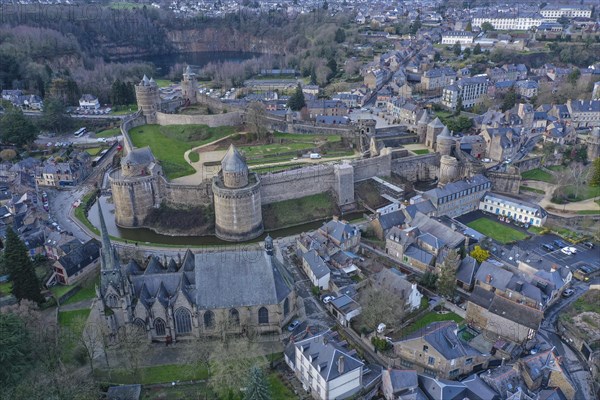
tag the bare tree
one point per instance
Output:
(255, 119)
(380, 305)
(578, 175)
(133, 342)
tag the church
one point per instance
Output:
(237, 292)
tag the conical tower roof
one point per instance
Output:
(233, 161)
(424, 118)
(145, 81)
(445, 133)
(436, 123)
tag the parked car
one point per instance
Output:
(293, 325)
(560, 243)
(581, 275)
(565, 250)
(327, 299)
(568, 293)
(589, 245)
(548, 247)
(572, 249)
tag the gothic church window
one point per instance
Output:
(139, 324)
(286, 307)
(183, 321)
(263, 315)
(112, 300)
(234, 317)
(209, 320)
(159, 327)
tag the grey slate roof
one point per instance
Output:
(233, 161)
(80, 257)
(444, 235)
(419, 254)
(466, 270)
(442, 389)
(394, 218)
(455, 187)
(500, 277)
(316, 264)
(424, 207)
(339, 230)
(140, 156)
(478, 389)
(326, 352)
(505, 308)
(442, 336)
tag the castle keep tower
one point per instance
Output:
(148, 99)
(445, 142)
(422, 127)
(236, 191)
(189, 86)
(449, 169)
(434, 128)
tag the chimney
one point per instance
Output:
(335, 217)
(340, 365)
(519, 286)
(554, 268)
(488, 278)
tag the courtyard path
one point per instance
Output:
(561, 209)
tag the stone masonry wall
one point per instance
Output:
(370, 167)
(504, 182)
(183, 196)
(296, 183)
(416, 168)
(230, 119)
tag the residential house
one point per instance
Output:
(465, 273)
(341, 234)
(527, 88)
(560, 133)
(503, 143)
(384, 222)
(331, 108)
(438, 351)
(438, 78)
(344, 309)
(316, 269)
(59, 244)
(464, 38)
(312, 90)
(509, 21)
(400, 384)
(405, 293)
(375, 78)
(78, 263)
(457, 198)
(351, 100)
(474, 145)
(584, 113)
(326, 368)
(516, 209)
(544, 370)
(502, 316)
(470, 91)
(89, 102)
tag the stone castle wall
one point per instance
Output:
(528, 164)
(422, 167)
(296, 183)
(505, 182)
(370, 167)
(136, 197)
(230, 119)
(182, 196)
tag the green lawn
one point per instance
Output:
(298, 137)
(421, 151)
(169, 143)
(278, 390)
(196, 391)
(163, 82)
(123, 110)
(70, 318)
(155, 374)
(588, 212)
(86, 292)
(537, 230)
(429, 318)
(500, 232)
(5, 288)
(556, 168)
(194, 156)
(585, 192)
(538, 175)
(59, 290)
(293, 212)
(94, 151)
(109, 133)
(79, 213)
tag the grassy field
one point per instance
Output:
(79, 213)
(538, 175)
(502, 233)
(421, 151)
(194, 156)
(155, 374)
(163, 82)
(109, 133)
(292, 212)
(71, 318)
(123, 110)
(585, 192)
(429, 318)
(278, 390)
(94, 151)
(556, 168)
(86, 292)
(588, 212)
(5, 288)
(60, 290)
(169, 143)
(197, 391)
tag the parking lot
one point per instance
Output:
(582, 256)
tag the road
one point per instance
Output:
(574, 366)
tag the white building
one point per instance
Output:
(315, 268)
(510, 22)
(552, 14)
(518, 210)
(89, 102)
(470, 90)
(462, 37)
(326, 369)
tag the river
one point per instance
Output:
(148, 236)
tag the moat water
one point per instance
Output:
(148, 236)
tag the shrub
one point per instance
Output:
(380, 344)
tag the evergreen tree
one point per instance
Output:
(510, 99)
(457, 49)
(18, 263)
(55, 117)
(469, 27)
(258, 387)
(477, 49)
(15, 128)
(446, 282)
(595, 181)
(296, 101)
(340, 35)
(14, 350)
(332, 65)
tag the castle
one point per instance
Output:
(231, 291)
(236, 195)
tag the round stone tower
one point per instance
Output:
(445, 142)
(238, 214)
(434, 128)
(449, 169)
(593, 144)
(422, 127)
(148, 99)
(189, 86)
